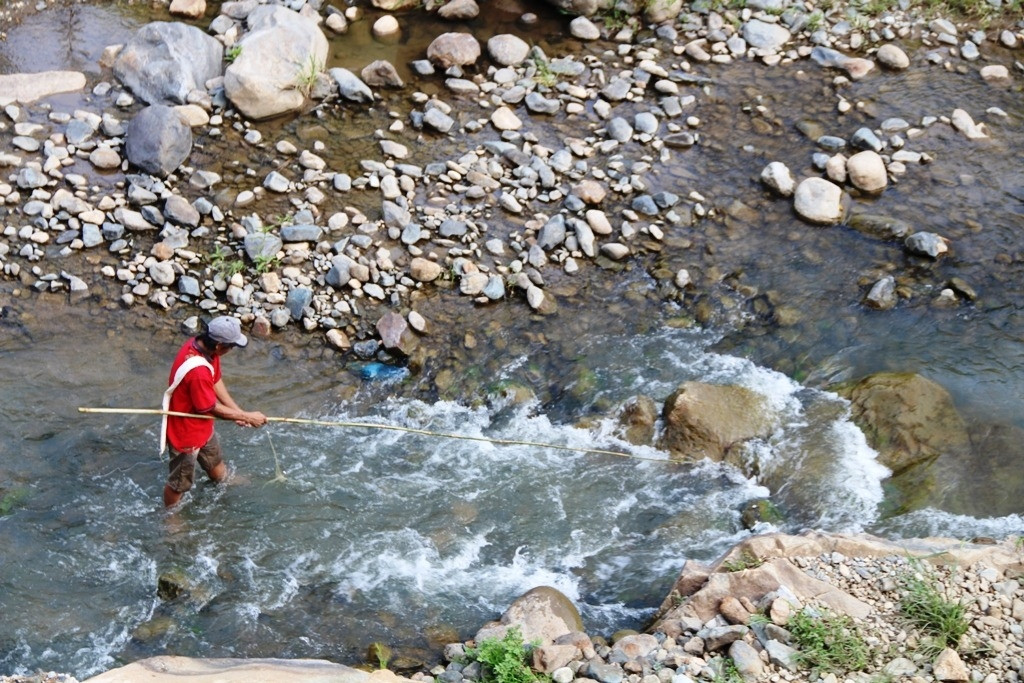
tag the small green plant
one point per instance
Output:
(232, 53)
(308, 73)
(727, 673)
(543, 74)
(828, 642)
(266, 263)
(615, 19)
(815, 20)
(747, 560)
(224, 262)
(927, 608)
(381, 652)
(504, 660)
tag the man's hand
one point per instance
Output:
(251, 419)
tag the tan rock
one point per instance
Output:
(705, 420)
(733, 611)
(907, 418)
(188, 8)
(867, 171)
(424, 270)
(542, 613)
(189, 670)
(949, 667)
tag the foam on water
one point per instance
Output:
(932, 522)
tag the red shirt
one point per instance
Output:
(195, 394)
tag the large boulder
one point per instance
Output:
(170, 669)
(157, 140)
(454, 49)
(706, 420)
(542, 614)
(165, 61)
(27, 88)
(907, 418)
(277, 65)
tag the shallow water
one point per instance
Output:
(414, 540)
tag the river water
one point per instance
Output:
(418, 540)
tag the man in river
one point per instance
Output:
(195, 386)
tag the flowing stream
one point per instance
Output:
(418, 540)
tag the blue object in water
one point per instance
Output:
(381, 371)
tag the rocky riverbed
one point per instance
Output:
(462, 187)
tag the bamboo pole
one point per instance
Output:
(374, 425)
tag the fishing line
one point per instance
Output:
(278, 474)
(389, 427)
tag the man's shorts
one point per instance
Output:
(183, 464)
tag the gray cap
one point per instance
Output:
(226, 330)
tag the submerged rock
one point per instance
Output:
(907, 418)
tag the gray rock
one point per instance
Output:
(619, 129)
(91, 235)
(350, 86)
(764, 36)
(819, 201)
(29, 87)
(553, 233)
(719, 636)
(459, 10)
(539, 104)
(584, 29)
(164, 61)
(77, 132)
(746, 659)
(438, 120)
(883, 294)
(645, 205)
(926, 244)
(275, 182)
(189, 286)
(178, 210)
(865, 138)
(507, 49)
(301, 233)
(279, 59)
(174, 236)
(298, 299)
(495, 288)
(453, 49)
(381, 73)
(411, 234)
(157, 140)
(340, 272)
(162, 273)
(29, 178)
(782, 655)
(605, 673)
(261, 245)
(646, 123)
(778, 178)
(616, 90)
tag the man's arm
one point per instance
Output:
(227, 409)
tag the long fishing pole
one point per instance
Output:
(377, 425)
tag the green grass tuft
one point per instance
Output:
(828, 642)
(505, 660)
(927, 608)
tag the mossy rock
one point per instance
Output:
(173, 584)
(761, 510)
(907, 418)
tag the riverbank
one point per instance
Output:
(745, 618)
